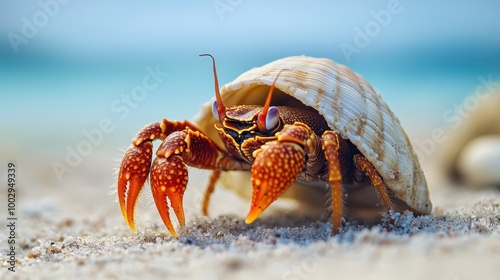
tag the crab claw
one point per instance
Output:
(169, 179)
(133, 172)
(277, 165)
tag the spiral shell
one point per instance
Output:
(351, 107)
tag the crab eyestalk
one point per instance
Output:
(219, 107)
(269, 116)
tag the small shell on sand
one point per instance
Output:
(479, 161)
(471, 154)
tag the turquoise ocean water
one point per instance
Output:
(83, 64)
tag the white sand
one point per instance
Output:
(75, 231)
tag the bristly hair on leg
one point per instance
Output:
(141, 203)
(328, 201)
(328, 204)
(116, 169)
(140, 207)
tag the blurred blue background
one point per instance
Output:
(84, 56)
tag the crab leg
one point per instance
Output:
(136, 164)
(134, 169)
(364, 165)
(224, 163)
(208, 192)
(333, 145)
(169, 176)
(279, 163)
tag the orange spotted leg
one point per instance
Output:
(169, 176)
(279, 163)
(364, 165)
(335, 147)
(136, 163)
(135, 167)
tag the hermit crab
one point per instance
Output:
(296, 119)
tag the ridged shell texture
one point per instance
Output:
(351, 108)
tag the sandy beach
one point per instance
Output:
(76, 231)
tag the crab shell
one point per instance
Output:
(351, 108)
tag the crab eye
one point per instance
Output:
(215, 110)
(272, 117)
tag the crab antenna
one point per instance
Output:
(220, 106)
(263, 113)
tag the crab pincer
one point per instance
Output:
(168, 174)
(134, 171)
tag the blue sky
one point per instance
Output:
(95, 28)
